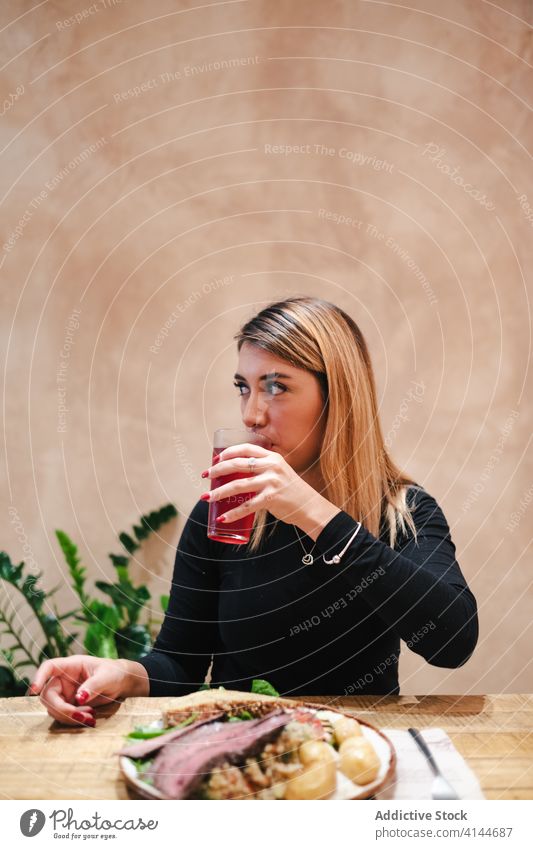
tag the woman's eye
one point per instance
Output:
(269, 387)
(279, 385)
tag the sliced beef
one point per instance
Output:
(147, 747)
(182, 764)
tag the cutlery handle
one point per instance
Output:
(421, 743)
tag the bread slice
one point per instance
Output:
(231, 702)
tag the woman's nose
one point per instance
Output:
(255, 412)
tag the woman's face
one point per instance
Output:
(286, 406)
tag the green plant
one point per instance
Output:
(19, 654)
(112, 628)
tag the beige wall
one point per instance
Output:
(135, 202)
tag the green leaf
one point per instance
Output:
(142, 594)
(46, 653)
(50, 624)
(129, 544)
(119, 560)
(153, 521)
(69, 614)
(77, 571)
(133, 642)
(8, 655)
(8, 571)
(34, 596)
(27, 585)
(100, 641)
(164, 600)
(104, 614)
(146, 733)
(150, 522)
(245, 714)
(145, 523)
(126, 597)
(7, 679)
(140, 531)
(123, 575)
(168, 512)
(117, 595)
(10, 685)
(242, 715)
(259, 685)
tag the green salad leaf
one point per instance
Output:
(243, 714)
(144, 732)
(264, 688)
(147, 732)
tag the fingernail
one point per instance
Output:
(205, 474)
(82, 697)
(221, 519)
(31, 691)
(205, 496)
(83, 718)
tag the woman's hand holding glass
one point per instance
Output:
(279, 489)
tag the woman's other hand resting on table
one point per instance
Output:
(70, 687)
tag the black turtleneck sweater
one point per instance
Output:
(319, 629)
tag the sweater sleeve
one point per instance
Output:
(180, 657)
(417, 589)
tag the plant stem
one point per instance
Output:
(22, 647)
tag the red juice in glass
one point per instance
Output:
(237, 532)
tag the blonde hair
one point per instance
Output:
(360, 477)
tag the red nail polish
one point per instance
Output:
(221, 518)
(204, 497)
(84, 718)
(204, 474)
(82, 697)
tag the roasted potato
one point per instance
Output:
(317, 780)
(346, 727)
(358, 760)
(315, 750)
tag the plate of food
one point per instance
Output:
(227, 744)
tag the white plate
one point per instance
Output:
(346, 789)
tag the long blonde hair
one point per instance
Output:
(360, 477)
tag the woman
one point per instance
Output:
(347, 557)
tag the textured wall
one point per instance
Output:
(167, 171)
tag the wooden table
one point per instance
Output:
(44, 760)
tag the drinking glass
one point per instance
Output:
(237, 532)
